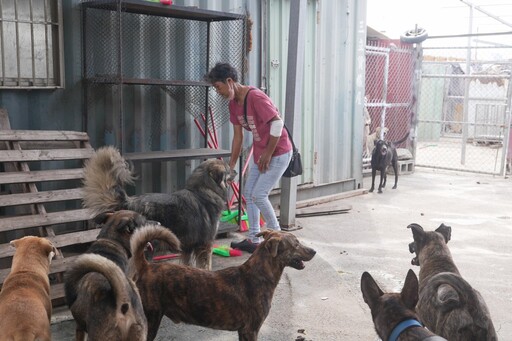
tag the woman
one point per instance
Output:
(272, 149)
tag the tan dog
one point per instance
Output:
(447, 304)
(236, 298)
(25, 304)
(104, 302)
(376, 135)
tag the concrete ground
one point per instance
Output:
(324, 301)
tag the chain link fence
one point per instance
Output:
(464, 111)
(390, 97)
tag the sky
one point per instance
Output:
(438, 17)
(442, 17)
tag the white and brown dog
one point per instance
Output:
(25, 304)
(378, 134)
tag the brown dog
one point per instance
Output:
(192, 213)
(25, 304)
(104, 302)
(393, 314)
(236, 298)
(447, 305)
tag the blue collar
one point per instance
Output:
(401, 327)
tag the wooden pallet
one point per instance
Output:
(41, 195)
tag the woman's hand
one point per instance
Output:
(264, 162)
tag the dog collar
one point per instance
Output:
(403, 326)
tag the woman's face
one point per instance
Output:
(225, 89)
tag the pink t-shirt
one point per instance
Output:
(260, 112)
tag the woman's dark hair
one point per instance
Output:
(220, 72)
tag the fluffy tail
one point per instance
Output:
(144, 235)
(120, 284)
(105, 175)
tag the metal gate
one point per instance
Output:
(389, 96)
(464, 110)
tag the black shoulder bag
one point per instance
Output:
(295, 165)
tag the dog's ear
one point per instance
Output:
(14, 243)
(446, 231)
(49, 249)
(127, 225)
(417, 231)
(370, 289)
(265, 234)
(102, 217)
(409, 292)
(272, 245)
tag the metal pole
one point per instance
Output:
(467, 82)
(293, 102)
(508, 127)
(384, 95)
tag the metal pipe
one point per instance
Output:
(466, 91)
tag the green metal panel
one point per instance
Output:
(333, 86)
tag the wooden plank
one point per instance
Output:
(57, 291)
(61, 240)
(179, 154)
(44, 155)
(70, 144)
(41, 197)
(74, 238)
(42, 135)
(57, 266)
(14, 223)
(39, 176)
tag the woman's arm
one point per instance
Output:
(236, 145)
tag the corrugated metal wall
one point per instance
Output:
(333, 87)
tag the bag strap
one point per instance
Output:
(245, 105)
(290, 136)
(245, 117)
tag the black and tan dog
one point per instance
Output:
(192, 213)
(25, 304)
(393, 314)
(447, 305)
(236, 298)
(104, 302)
(384, 155)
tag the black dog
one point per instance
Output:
(384, 154)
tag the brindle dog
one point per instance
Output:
(447, 305)
(103, 300)
(392, 313)
(236, 298)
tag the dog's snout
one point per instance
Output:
(310, 253)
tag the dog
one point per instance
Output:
(394, 314)
(384, 155)
(236, 298)
(193, 213)
(447, 304)
(25, 304)
(378, 134)
(104, 302)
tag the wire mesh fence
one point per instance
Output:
(464, 114)
(145, 73)
(389, 96)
